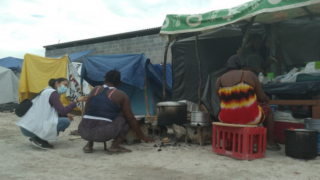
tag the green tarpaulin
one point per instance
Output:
(266, 11)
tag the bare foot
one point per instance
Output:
(88, 148)
(118, 150)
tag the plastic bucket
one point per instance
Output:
(313, 124)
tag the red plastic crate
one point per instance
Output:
(245, 143)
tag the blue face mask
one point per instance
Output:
(62, 89)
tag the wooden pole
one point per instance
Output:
(200, 72)
(146, 93)
(278, 48)
(164, 71)
(246, 35)
(82, 104)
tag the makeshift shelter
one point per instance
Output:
(210, 57)
(9, 89)
(12, 63)
(264, 11)
(214, 50)
(159, 69)
(141, 81)
(76, 57)
(37, 71)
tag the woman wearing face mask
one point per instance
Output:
(47, 116)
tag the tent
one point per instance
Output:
(75, 57)
(12, 63)
(217, 46)
(37, 71)
(9, 89)
(264, 11)
(137, 75)
(214, 50)
(210, 51)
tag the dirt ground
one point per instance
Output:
(21, 161)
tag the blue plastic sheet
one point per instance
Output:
(159, 68)
(76, 56)
(132, 68)
(12, 63)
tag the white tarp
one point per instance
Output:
(86, 85)
(73, 75)
(9, 84)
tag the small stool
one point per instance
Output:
(245, 142)
(199, 130)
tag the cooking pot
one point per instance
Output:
(169, 113)
(200, 118)
(301, 143)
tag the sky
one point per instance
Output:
(28, 25)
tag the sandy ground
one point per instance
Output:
(20, 160)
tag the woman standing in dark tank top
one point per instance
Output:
(102, 121)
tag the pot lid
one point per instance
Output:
(171, 103)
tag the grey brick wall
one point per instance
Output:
(153, 46)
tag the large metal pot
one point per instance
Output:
(169, 113)
(200, 118)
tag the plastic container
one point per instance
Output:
(301, 143)
(260, 77)
(273, 107)
(281, 126)
(313, 124)
(271, 76)
(246, 143)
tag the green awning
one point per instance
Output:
(266, 11)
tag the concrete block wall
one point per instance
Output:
(152, 45)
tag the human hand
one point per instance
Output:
(82, 99)
(147, 139)
(70, 117)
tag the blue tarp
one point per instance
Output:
(159, 68)
(12, 63)
(76, 56)
(131, 67)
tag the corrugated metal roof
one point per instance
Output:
(113, 37)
